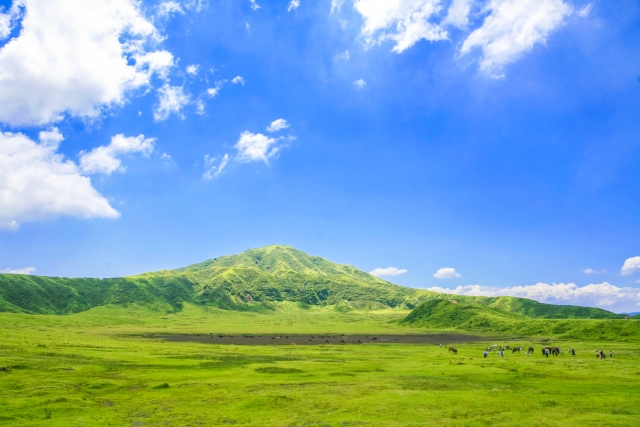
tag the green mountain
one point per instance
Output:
(257, 280)
(252, 280)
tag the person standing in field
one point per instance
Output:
(610, 353)
(486, 353)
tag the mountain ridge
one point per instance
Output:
(254, 280)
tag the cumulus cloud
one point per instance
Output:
(512, 28)
(631, 265)
(238, 80)
(38, 183)
(447, 273)
(603, 295)
(76, 58)
(105, 159)
(212, 169)
(168, 8)
(592, 271)
(404, 22)
(26, 270)
(254, 147)
(172, 99)
(192, 69)
(254, 5)
(277, 125)
(389, 271)
(293, 5)
(359, 84)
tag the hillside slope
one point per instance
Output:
(487, 315)
(254, 280)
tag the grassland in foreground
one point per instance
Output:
(90, 369)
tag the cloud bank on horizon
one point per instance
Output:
(602, 295)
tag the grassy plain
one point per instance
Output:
(94, 369)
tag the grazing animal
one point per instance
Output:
(453, 350)
(531, 349)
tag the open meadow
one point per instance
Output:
(97, 368)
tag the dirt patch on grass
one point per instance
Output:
(332, 339)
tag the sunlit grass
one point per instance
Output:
(94, 368)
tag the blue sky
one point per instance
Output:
(496, 139)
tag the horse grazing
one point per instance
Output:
(453, 350)
(516, 350)
(530, 350)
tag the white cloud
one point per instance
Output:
(192, 69)
(201, 107)
(9, 225)
(197, 5)
(277, 125)
(6, 18)
(592, 271)
(585, 11)
(389, 271)
(343, 55)
(214, 91)
(253, 147)
(405, 22)
(458, 14)
(512, 28)
(359, 84)
(631, 265)
(447, 273)
(238, 80)
(26, 270)
(105, 159)
(254, 5)
(38, 183)
(168, 8)
(213, 170)
(76, 58)
(172, 99)
(336, 6)
(293, 5)
(603, 295)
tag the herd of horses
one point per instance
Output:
(553, 351)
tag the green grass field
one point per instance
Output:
(93, 368)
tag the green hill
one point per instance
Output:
(521, 317)
(258, 279)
